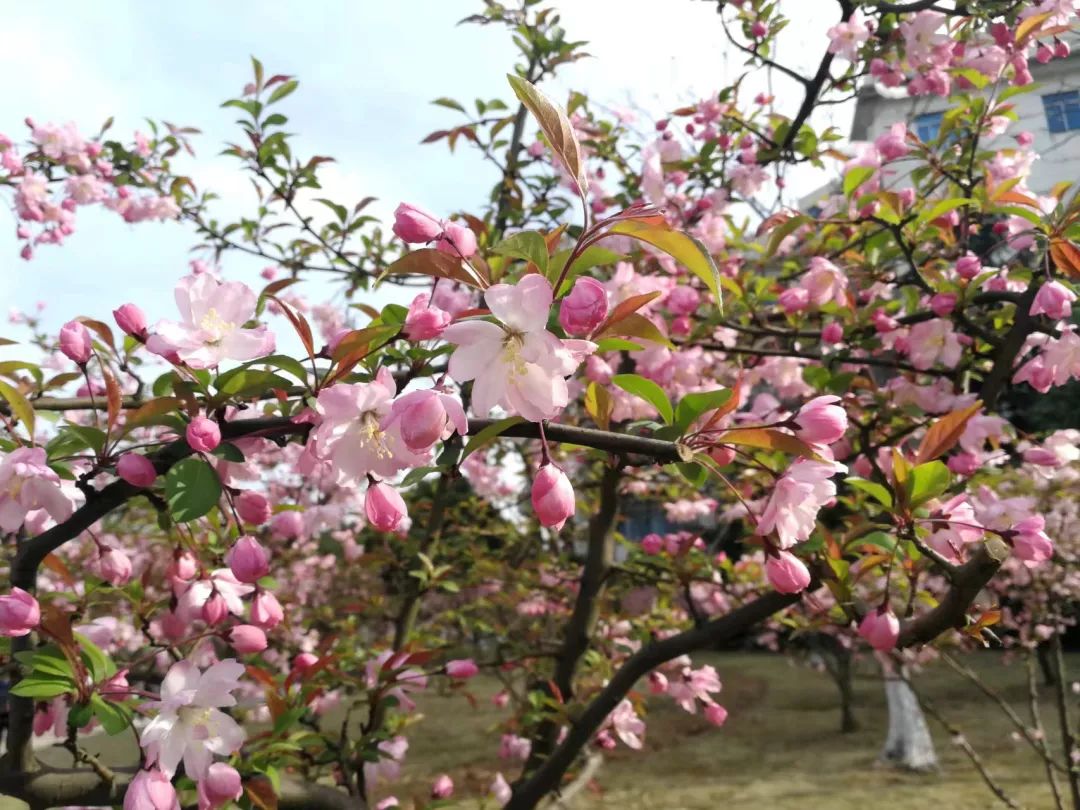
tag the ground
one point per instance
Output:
(781, 748)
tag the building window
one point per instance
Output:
(1062, 110)
(928, 125)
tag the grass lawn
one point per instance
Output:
(781, 747)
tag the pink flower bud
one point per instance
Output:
(1053, 300)
(500, 700)
(203, 434)
(820, 421)
(424, 321)
(683, 300)
(75, 342)
(220, 786)
(787, 573)
(287, 525)
(462, 668)
(132, 320)
(184, 566)
(253, 507)
(759, 29)
(716, 714)
(304, 661)
(500, 790)
(652, 544)
(457, 240)
(1024, 139)
(384, 507)
(833, 333)
(114, 567)
(248, 560)
(584, 308)
(658, 683)
(423, 419)
(794, 299)
(136, 469)
(414, 225)
(150, 790)
(1042, 457)
(442, 787)
(943, 304)
(266, 610)
(880, 628)
(722, 454)
(1061, 48)
(552, 497)
(247, 638)
(19, 613)
(963, 463)
(215, 610)
(1044, 53)
(1030, 543)
(968, 266)
(173, 628)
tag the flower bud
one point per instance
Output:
(75, 342)
(253, 507)
(552, 497)
(19, 613)
(384, 507)
(247, 638)
(1042, 457)
(584, 308)
(1030, 543)
(787, 573)
(1054, 300)
(423, 419)
(942, 304)
(203, 434)
(968, 266)
(820, 421)
(248, 560)
(184, 566)
(132, 320)
(462, 668)
(833, 333)
(716, 714)
(114, 567)
(652, 543)
(304, 661)
(136, 469)
(442, 787)
(683, 300)
(414, 225)
(215, 610)
(457, 240)
(150, 790)
(219, 786)
(266, 610)
(794, 299)
(424, 321)
(287, 525)
(880, 628)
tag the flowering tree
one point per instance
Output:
(217, 540)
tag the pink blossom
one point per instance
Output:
(151, 790)
(880, 628)
(462, 668)
(786, 572)
(968, 266)
(427, 416)
(794, 299)
(513, 747)
(202, 434)
(384, 506)
(824, 282)
(942, 304)
(253, 507)
(584, 308)
(247, 638)
(425, 321)
(442, 787)
(220, 786)
(75, 342)
(821, 421)
(19, 613)
(796, 498)
(716, 714)
(266, 611)
(388, 767)
(114, 566)
(652, 543)
(933, 342)
(500, 790)
(846, 38)
(833, 333)
(212, 329)
(893, 143)
(28, 484)
(552, 497)
(456, 240)
(516, 363)
(693, 685)
(1054, 300)
(1030, 543)
(683, 300)
(193, 596)
(627, 725)
(132, 320)
(248, 559)
(287, 525)
(414, 225)
(136, 469)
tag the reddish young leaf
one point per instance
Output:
(431, 262)
(113, 396)
(300, 324)
(945, 433)
(101, 330)
(769, 439)
(626, 308)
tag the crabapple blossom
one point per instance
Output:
(132, 320)
(627, 725)
(75, 342)
(266, 610)
(28, 484)
(136, 469)
(222, 584)
(247, 638)
(114, 566)
(384, 506)
(584, 308)
(515, 363)
(151, 790)
(202, 434)
(189, 725)
(442, 787)
(880, 628)
(796, 499)
(462, 668)
(414, 225)
(786, 572)
(552, 497)
(424, 320)
(212, 328)
(253, 507)
(219, 786)
(19, 613)
(821, 421)
(931, 342)
(1054, 300)
(287, 525)
(248, 560)
(427, 416)
(1030, 543)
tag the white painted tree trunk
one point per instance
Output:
(908, 744)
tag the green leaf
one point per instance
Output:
(782, 231)
(43, 686)
(192, 489)
(449, 103)
(114, 717)
(47, 660)
(284, 89)
(617, 345)
(556, 128)
(91, 437)
(694, 405)
(856, 177)
(942, 208)
(229, 452)
(928, 481)
(243, 382)
(694, 473)
(100, 665)
(20, 406)
(527, 245)
(647, 390)
(488, 435)
(877, 491)
(686, 250)
(416, 475)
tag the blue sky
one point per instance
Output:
(368, 72)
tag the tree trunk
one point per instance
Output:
(908, 744)
(1046, 664)
(848, 723)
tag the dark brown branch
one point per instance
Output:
(1002, 370)
(662, 452)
